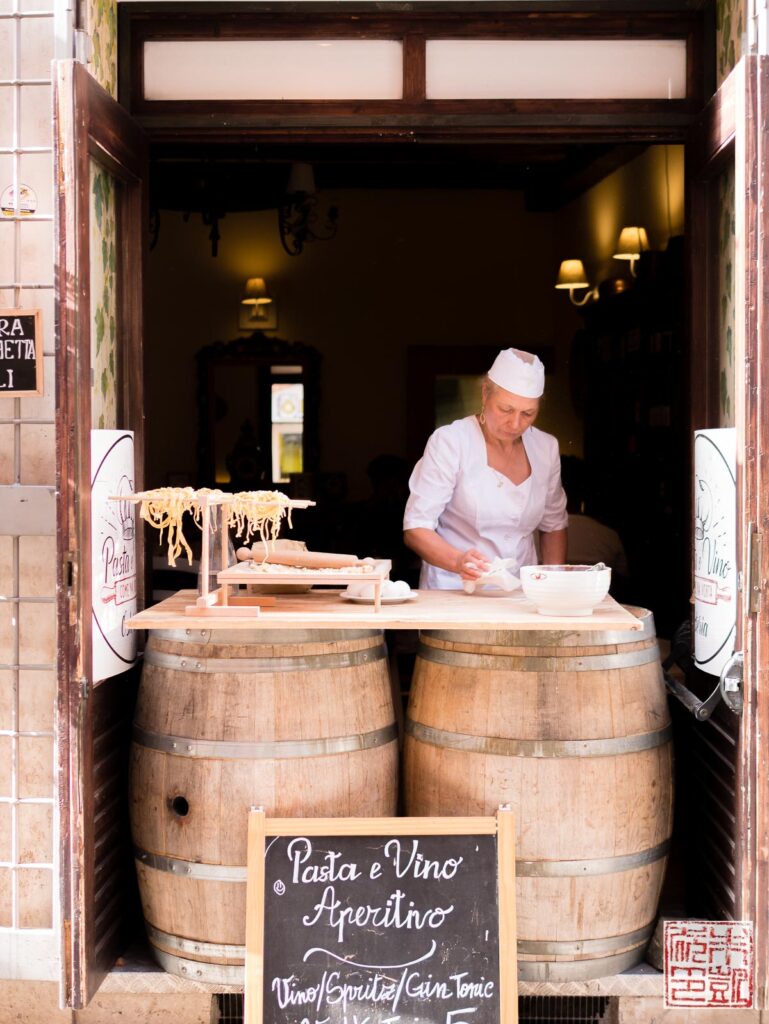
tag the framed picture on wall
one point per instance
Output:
(443, 384)
(261, 317)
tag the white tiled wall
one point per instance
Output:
(28, 939)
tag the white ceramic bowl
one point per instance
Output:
(565, 589)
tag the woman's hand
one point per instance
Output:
(471, 564)
(434, 549)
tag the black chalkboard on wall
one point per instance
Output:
(21, 353)
(381, 921)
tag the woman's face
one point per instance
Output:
(508, 415)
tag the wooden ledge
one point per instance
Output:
(432, 609)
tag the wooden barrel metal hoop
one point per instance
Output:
(299, 722)
(572, 729)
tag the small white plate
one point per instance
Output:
(385, 600)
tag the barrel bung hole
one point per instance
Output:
(180, 806)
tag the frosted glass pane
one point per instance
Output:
(273, 69)
(584, 69)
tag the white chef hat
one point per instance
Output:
(521, 373)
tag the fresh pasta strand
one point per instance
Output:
(249, 512)
(197, 508)
(164, 508)
(259, 512)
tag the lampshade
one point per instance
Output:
(631, 243)
(571, 274)
(301, 180)
(256, 293)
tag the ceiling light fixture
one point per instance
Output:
(299, 220)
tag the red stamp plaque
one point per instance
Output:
(709, 963)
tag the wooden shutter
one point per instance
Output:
(728, 756)
(92, 720)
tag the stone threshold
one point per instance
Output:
(136, 972)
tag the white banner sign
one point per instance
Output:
(715, 548)
(113, 552)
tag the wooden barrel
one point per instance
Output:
(573, 730)
(299, 722)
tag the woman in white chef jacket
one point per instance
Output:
(487, 483)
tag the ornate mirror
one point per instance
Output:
(258, 413)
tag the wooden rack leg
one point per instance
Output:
(204, 554)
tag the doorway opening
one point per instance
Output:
(399, 316)
(439, 256)
(401, 351)
(430, 259)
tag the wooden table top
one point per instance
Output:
(431, 609)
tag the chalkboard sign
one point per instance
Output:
(21, 353)
(381, 921)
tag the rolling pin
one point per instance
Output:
(312, 559)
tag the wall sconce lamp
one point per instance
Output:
(299, 221)
(571, 275)
(258, 310)
(631, 243)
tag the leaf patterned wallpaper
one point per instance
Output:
(102, 28)
(730, 25)
(103, 284)
(101, 25)
(726, 310)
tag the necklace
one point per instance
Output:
(501, 476)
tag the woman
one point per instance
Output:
(486, 483)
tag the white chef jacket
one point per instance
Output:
(455, 492)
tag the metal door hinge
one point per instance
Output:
(731, 681)
(83, 47)
(728, 689)
(758, 29)
(755, 568)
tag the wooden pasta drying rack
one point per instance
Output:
(220, 602)
(380, 571)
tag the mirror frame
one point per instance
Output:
(259, 351)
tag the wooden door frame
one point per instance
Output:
(733, 128)
(89, 125)
(711, 152)
(413, 25)
(751, 397)
(734, 120)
